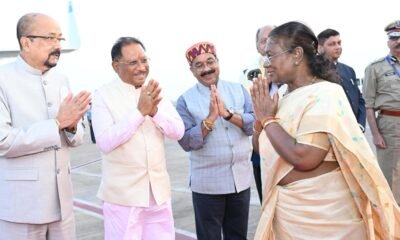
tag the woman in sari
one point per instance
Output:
(320, 178)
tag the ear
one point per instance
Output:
(298, 54)
(320, 49)
(25, 43)
(192, 70)
(115, 66)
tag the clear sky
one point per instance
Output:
(168, 28)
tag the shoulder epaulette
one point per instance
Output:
(378, 60)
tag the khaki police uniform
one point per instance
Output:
(381, 91)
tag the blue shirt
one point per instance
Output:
(219, 163)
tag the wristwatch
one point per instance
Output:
(227, 118)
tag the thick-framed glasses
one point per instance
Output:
(199, 66)
(268, 59)
(135, 63)
(394, 39)
(47, 38)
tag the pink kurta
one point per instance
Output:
(135, 184)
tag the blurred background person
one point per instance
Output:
(248, 75)
(89, 119)
(330, 44)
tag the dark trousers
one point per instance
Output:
(226, 214)
(257, 179)
(92, 137)
(255, 159)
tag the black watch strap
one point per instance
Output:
(227, 118)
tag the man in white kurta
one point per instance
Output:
(130, 121)
(38, 122)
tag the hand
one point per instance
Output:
(156, 101)
(222, 111)
(72, 109)
(379, 141)
(214, 113)
(155, 91)
(264, 106)
(149, 98)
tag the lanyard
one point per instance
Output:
(393, 66)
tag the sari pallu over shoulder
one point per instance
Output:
(323, 107)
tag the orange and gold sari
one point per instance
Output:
(366, 207)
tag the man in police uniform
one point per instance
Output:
(382, 93)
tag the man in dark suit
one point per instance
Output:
(330, 44)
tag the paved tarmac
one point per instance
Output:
(86, 174)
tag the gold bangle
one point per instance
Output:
(206, 126)
(209, 123)
(269, 122)
(264, 120)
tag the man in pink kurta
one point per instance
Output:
(130, 120)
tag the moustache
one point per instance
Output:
(397, 46)
(207, 73)
(56, 53)
(142, 72)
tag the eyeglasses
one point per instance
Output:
(199, 66)
(394, 38)
(135, 63)
(268, 59)
(47, 38)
